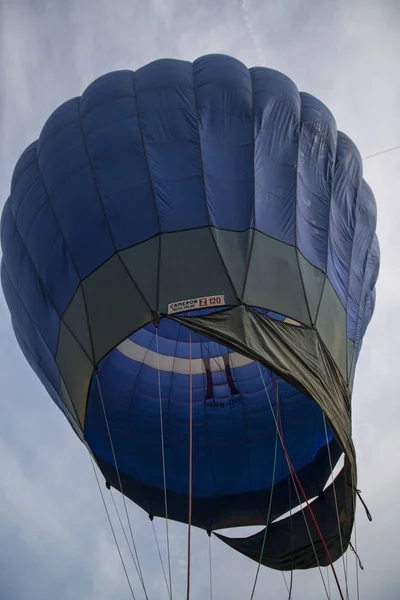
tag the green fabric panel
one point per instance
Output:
(313, 281)
(75, 317)
(273, 279)
(235, 247)
(115, 306)
(350, 363)
(76, 371)
(332, 327)
(191, 267)
(142, 263)
(71, 416)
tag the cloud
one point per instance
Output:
(54, 538)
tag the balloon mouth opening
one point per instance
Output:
(146, 381)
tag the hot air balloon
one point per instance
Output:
(189, 260)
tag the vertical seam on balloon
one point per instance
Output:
(36, 328)
(253, 229)
(100, 199)
(153, 194)
(205, 187)
(295, 214)
(47, 196)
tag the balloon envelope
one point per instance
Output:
(199, 225)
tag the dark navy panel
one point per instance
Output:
(276, 118)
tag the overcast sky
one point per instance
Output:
(55, 541)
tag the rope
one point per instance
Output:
(160, 557)
(336, 506)
(381, 152)
(190, 464)
(280, 432)
(357, 572)
(291, 541)
(139, 571)
(267, 519)
(163, 460)
(112, 528)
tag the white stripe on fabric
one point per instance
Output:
(179, 365)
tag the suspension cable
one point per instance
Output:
(210, 565)
(163, 459)
(291, 542)
(160, 557)
(280, 432)
(123, 529)
(139, 571)
(267, 519)
(112, 527)
(336, 506)
(190, 466)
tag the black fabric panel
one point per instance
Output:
(225, 511)
(296, 354)
(288, 545)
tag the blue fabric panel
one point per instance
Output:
(225, 120)
(346, 188)
(276, 118)
(363, 238)
(33, 215)
(167, 112)
(68, 178)
(234, 435)
(316, 160)
(34, 346)
(114, 143)
(25, 281)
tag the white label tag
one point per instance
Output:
(195, 303)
